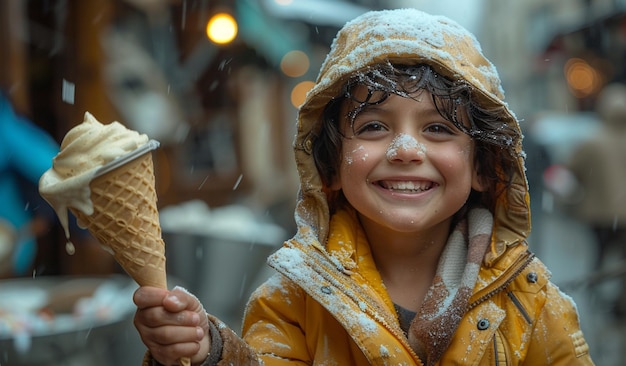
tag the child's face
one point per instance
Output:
(404, 167)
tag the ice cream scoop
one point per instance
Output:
(85, 151)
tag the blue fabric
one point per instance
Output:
(26, 152)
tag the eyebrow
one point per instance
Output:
(429, 108)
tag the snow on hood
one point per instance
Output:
(406, 36)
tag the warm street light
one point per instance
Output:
(221, 28)
(581, 77)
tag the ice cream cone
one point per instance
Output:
(125, 219)
(105, 176)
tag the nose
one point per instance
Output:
(405, 148)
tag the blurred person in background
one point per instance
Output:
(26, 152)
(592, 183)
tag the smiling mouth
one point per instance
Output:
(406, 186)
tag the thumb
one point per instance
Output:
(180, 299)
(190, 302)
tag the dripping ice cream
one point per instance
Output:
(84, 149)
(104, 175)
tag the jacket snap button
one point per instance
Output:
(327, 290)
(483, 324)
(308, 145)
(531, 277)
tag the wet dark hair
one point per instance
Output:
(495, 156)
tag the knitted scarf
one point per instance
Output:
(447, 299)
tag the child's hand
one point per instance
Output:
(172, 324)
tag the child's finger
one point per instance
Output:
(170, 335)
(146, 296)
(171, 354)
(169, 343)
(181, 299)
(158, 316)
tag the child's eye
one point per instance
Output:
(369, 127)
(439, 129)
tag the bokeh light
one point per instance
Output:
(221, 28)
(295, 63)
(298, 93)
(582, 78)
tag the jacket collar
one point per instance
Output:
(347, 254)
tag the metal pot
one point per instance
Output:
(73, 334)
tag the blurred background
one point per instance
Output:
(218, 83)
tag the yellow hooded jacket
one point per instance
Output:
(327, 304)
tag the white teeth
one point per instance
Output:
(408, 186)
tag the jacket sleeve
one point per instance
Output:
(227, 348)
(557, 338)
(273, 332)
(274, 323)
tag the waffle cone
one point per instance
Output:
(126, 220)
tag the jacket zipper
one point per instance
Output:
(495, 348)
(519, 306)
(521, 267)
(522, 264)
(329, 274)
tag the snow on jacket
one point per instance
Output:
(330, 308)
(327, 304)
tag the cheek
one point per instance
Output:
(465, 154)
(457, 161)
(457, 154)
(466, 157)
(466, 151)
(354, 155)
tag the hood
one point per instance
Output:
(406, 36)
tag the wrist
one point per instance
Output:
(204, 354)
(211, 346)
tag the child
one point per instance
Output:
(412, 219)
